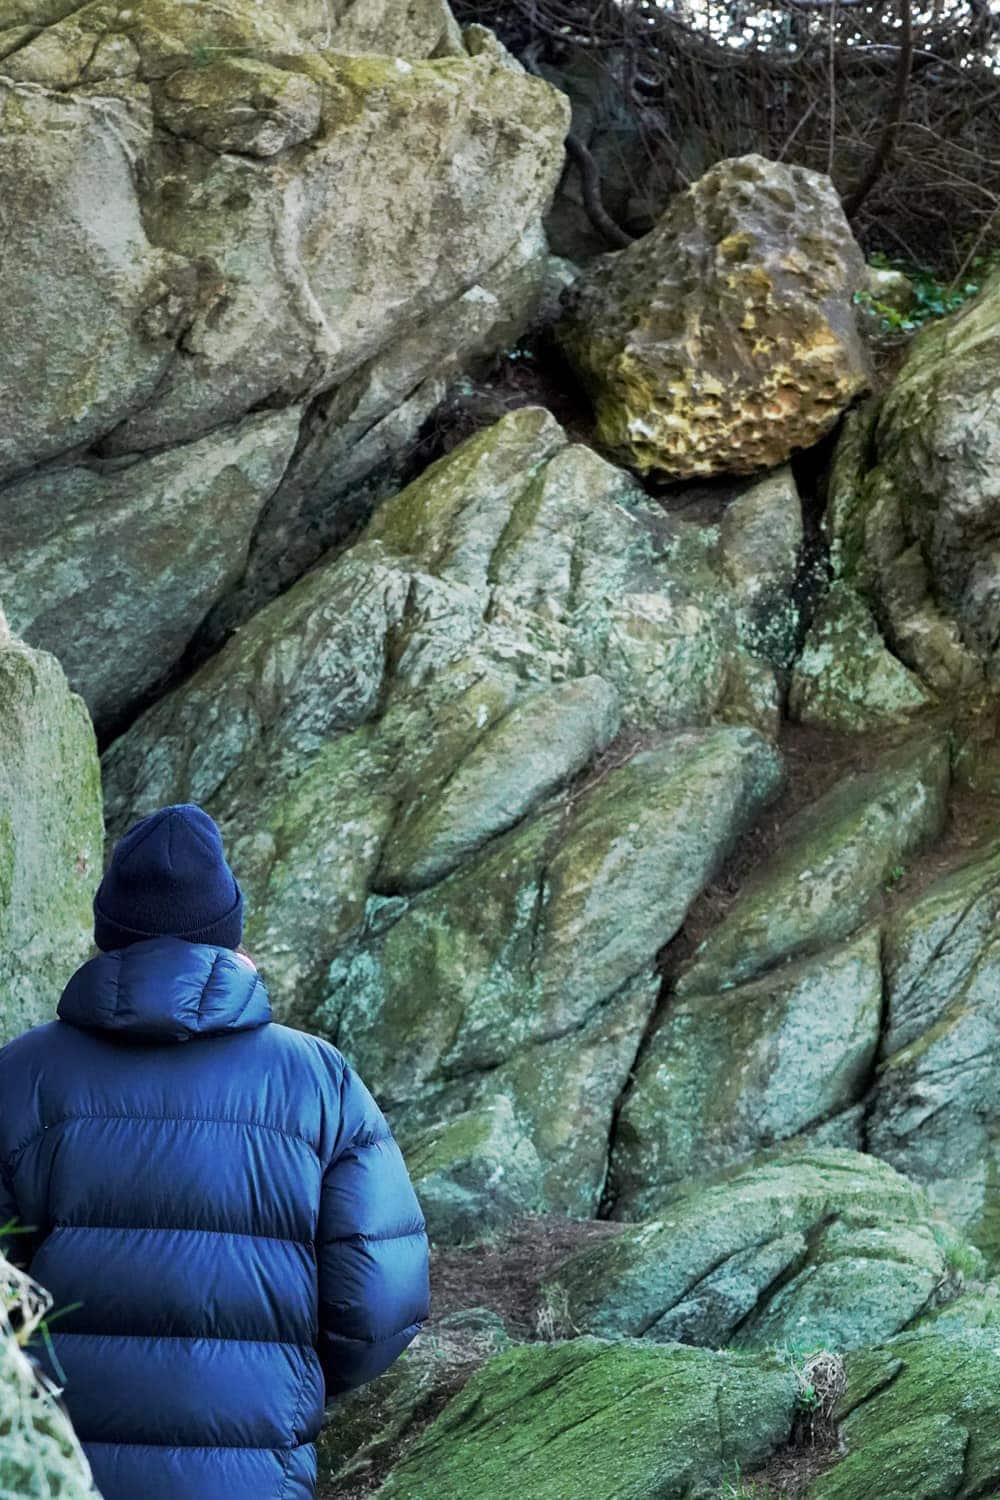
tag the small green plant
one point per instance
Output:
(204, 53)
(964, 1261)
(932, 297)
(821, 1381)
(894, 876)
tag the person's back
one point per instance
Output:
(216, 1205)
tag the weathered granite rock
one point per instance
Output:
(835, 859)
(474, 1172)
(846, 677)
(113, 568)
(203, 222)
(396, 28)
(90, 309)
(726, 1076)
(50, 833)
(826, 1249)
(977, 1307)
(356, 441)
(617, 1421)
(919, 1420)
(936, 1113)
(40, 1457)
(760, 539)
(726, 338)
(921, 537)
(543, 740)
(515, 564)
(548, 932)
(406, 752)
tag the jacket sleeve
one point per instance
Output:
(371, 1248)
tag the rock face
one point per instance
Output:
(397, 28)
(50, 833)
(828, 1249)
(914, 523)
(369, 1424)
(846, 677)
(113, 568)
(919, 1419)
(936, 1113)
(728, 1075)
(40, 1458)
(726, 338)
(531, 969)
(253, 186)
(836, 858)
(618, 1421)
(474, 1172)
(454, 867)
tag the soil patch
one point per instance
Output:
(504, 1274)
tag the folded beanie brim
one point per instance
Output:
(225, 932)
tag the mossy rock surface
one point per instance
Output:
(614, 1421)
(846, 678)
(919, 1419)
(826, 1249)
(488, 688)
(936, 1111)
(368, 1428)
(319, 239)
(915, 503)
(474, 1172)
(726, 1076)
(835, 861)
(506, 968)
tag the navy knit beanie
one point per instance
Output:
(168, 877)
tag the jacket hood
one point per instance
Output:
(166, 990)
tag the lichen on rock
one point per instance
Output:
(726, 1076)
(836, 858)
(216, 221)
(726, 337)
(821, 1249)
(914, 527)
(50, 833)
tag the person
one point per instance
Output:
(214, 1201)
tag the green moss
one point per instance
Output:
(919, 1419)
(618, 1421)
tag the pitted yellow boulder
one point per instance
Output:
(726, 338)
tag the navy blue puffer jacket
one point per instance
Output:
(220, 1211)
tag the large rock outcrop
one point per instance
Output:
(936, 1113)
(836, 858)
(914, 515)
(451, 770)
(205, 217)
(725, 338)
(824, 1249)
(51, 833)
(727, 1075)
